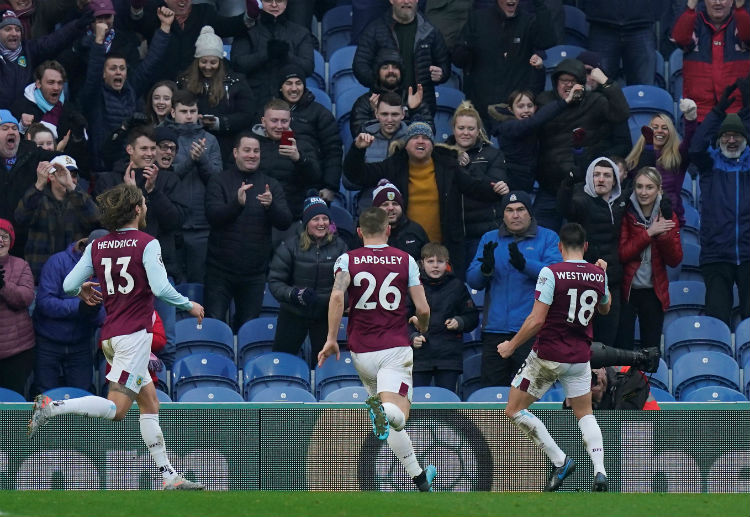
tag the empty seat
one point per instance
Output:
(203, 369)
(255, 337)
(490, 394)
(686, 192)
(660, 378)
(344, 103)
(321, 98)
(447, 100)
(576, 27)
(270, 305)
(7, 395)
(714, 394)
(472, 342)
(696, 333)
(273, 368)
(472, 375)
(162, 396)
(696, 370)
(433, 394)
(214, 336)
(347, 394)
(686, 298)
(210, 394)
(66, 392)
(692, 222)
(336, 29)
(645, 101)
(283, 394)
(318, 77)
(335, 374)
(742, 344)
(689, 269)
(661, 395)
(554, 394)
(193, 291)
(340, 72)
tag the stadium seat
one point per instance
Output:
(203, 369)
(456, 80)
(210, 394)
(344, 103)
(686, 192)
(283, 394)
(214, 336)
(193, 291)
(555, 55)
(270, 305)
(645, 101)
(576, 27)
(698, 369)
(690, 269)
(472, 375)
(447, 100)
(696, 333)
(660, 79)
(66, 392)
(318, 77)
(490, 394)
(322, 98)
(714, 394)
(477, 296)
(334, 375)
(272, 368)
(336, 29)
(162, 396)
(433, 394)
(255, 337)
(227, 52)
(347, 394)
(661, 395)
(675, 74)
(162, 380)
(686, 299)
(742, 343)
(660, 378)
(554, 394)
(340, 73)
(472, 342)
(7, 395)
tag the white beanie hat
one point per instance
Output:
(208, 43)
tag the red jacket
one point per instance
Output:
(666, 250)
(651, 403)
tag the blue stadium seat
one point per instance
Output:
(686, 192)
(344, 103)
(698, 369)
(346, 227)
(472, 342)
(283, 394)
(675, 74)
(227, 52)
(686, 299)
(214, 336)
(555, 55)
(456, 80)
(714, 394)
(476, 295)
(661, 395)
(318, 77)
(692, 223)
(490, 394)
(448, 100)
(7, 395)
(340, 73)
(270, 305)
(275, 368)
(660, 79)
(336, 29)
(322, 98)
(472, 375)
(203, 369)
(210, 394)
(162, 380)
(576, 27)
(696, 333)
(645, 101)
(689, 269)
(433, 394)
(66, 392)
(335, 374)
(347, 394)
(162, 396)
(193, 291)
(660, 378)
(742, 344)
(554, 394)
(255, 337)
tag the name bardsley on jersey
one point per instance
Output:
(127, 243)
(576, 275)
(369, 259)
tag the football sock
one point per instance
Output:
(535, 429)
(394, 415)
(154, 438)
(592, 439)
(400, 444)
(86, 406)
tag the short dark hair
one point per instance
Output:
(604, 163)
(36, 128)
(139, 131)
(247, 133)
(115, 55)
(373, 221)
(390, 98)
(572, 236)
(185, 98)
(50, 64)
(276, 104)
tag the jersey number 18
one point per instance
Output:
(587, 303)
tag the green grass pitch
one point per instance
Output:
(363, 504)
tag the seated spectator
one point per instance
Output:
(16, 296)
(660, 146)
(438, 353)
(714, 37)
(482, 161)
(720, 151)
(300, 278)
(54, 212)
(649, 242)
(517, 129)
(388, 79)
(159, 101)
(406, 234)
(243, 204)
(620, 387)
(64, 325)
(506, 266)
(225, 102)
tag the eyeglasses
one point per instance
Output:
(5, 237)
(567, 81)
(168, 147)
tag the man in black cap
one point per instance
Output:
(506, 266)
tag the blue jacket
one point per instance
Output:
(56, 315)
(509, 293)
(725, 194)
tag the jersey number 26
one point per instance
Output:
(385, 290)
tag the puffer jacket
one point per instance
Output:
(15, 299)
(292, 267)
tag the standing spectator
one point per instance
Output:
(16, 296)
(714, 38)
(483, 162)
(425, 57)
(243, 204)
(273, 42)
(649, 242)
(660, 146)
(39, 18)
(54, 212)
(438, 353)
(448, 17)
(64, 324)
(313, 123)
(624, 31)
(495, 50)
(506, 266)
(405, 234)
(720, 151)
(159, 101)
(225, 102)
(300, 279)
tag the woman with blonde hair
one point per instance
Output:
(660, 146)
(649, 242)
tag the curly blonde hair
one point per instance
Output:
(118, 204)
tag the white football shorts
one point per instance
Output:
(128, 355)
(538, 375)
(386, 370)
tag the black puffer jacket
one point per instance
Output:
(429, 50)
(292, 267)
(448, 298)
(408, 236)
(617, 14)
(239, 242)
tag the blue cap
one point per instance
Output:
(6, 117)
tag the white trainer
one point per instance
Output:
(180, 483)
(40, 414)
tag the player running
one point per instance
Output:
(567, 293)
(377, 278)
(128, 262)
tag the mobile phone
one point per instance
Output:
(286, 137)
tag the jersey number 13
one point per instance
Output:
(124, 275)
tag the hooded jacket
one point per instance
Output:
(16, 297)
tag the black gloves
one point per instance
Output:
(516, 257)
(666, 207)
(2, 277)
(726, 99)
(277, 49)
(648, 134)
(488, 258)
(303, 297)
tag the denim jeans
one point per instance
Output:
(635, 47)
(74, 360)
